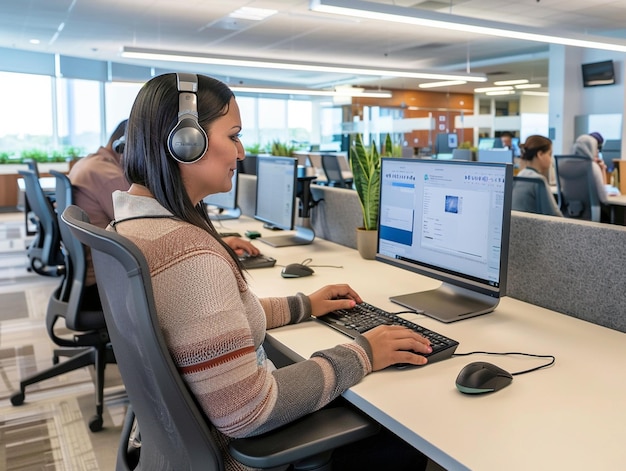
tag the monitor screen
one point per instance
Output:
(486, 142)
(598, 73)
(504, 156)
(276, 191)
(448, 220)
(219, 204)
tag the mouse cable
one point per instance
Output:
(550, 363)
(307, 262)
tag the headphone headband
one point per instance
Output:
(187, 141)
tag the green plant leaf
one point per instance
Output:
(365, 164)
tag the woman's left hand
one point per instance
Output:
(241, 246)
(332, 297)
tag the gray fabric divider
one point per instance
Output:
(571, 266)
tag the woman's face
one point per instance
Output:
(213, 173)
(545, 159)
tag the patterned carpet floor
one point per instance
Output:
(50, 430)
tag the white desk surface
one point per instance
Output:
(47, 183)
(569, 416)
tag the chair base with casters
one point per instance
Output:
(175, 432)
(86, 348)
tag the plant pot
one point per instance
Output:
(366, 243)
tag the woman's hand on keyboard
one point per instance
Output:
(333, 297)
(393, 344)
(241, 246)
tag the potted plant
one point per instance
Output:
(365, 164)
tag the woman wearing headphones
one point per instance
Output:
(182, 143)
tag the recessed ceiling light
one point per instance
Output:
(492, 89)
(446, 83)
(511, 82)
(535, 93)
(501, 92)
(528, 85)
(254, 14)
(34, 41)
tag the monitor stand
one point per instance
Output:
(448, 303)
(304, 235)
(223, 214)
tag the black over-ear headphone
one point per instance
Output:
(187, 142)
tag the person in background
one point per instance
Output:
(587, 145)
(507, 140)
(535, 161)
(213, 323)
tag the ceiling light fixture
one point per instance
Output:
(339, 91)
(492, 89)
(397, 14)
(535, 93)
(198, 58)
(528, 85)
(511, 82)
(447, 83)
(501, 92)
(253, 14)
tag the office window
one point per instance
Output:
(300, 119)
(118, 100)
(250, 129)
(79, 114)
(26, 121)
(272, 120)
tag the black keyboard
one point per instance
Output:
(257, 261)
(364, 317)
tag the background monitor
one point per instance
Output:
(598, 73)
(486, 142)
(495, 155)
(448, 220)
(276, 190)
(224, 205)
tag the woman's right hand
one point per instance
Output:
(393, 344)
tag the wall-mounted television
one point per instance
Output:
(598, 73)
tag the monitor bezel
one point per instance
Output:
(454, 278)
(264, 218)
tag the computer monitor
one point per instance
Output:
(276, 191)
(495, 155)
(224, 205)
(448, 220)
(486, 143)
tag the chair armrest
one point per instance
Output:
(312, 435)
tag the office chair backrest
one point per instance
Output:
(33, 166)
(48, 239)
(538, 203)
(578, 194)
(174, 433)
(332, 170)
(462, 154)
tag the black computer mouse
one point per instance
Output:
(482, 377)
(296, 270)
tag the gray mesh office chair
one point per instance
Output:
(536, 195)
(88, 343)
(577, 191)
(332, 170)
(44, 252)
(175, 433)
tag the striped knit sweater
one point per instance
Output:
(214, 327)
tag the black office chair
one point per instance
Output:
(332, 170)
(88, 344)
(539, 203)
(175, 433)
(44, 252)
(577, 190)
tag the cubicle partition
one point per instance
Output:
(570, 266)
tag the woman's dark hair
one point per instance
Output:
(533, 145)
(147, 160)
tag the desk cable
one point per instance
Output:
(307, 262)
(546, 365)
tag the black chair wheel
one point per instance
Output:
(95, 424)
(17, 399)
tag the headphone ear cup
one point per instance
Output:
(187, 142)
